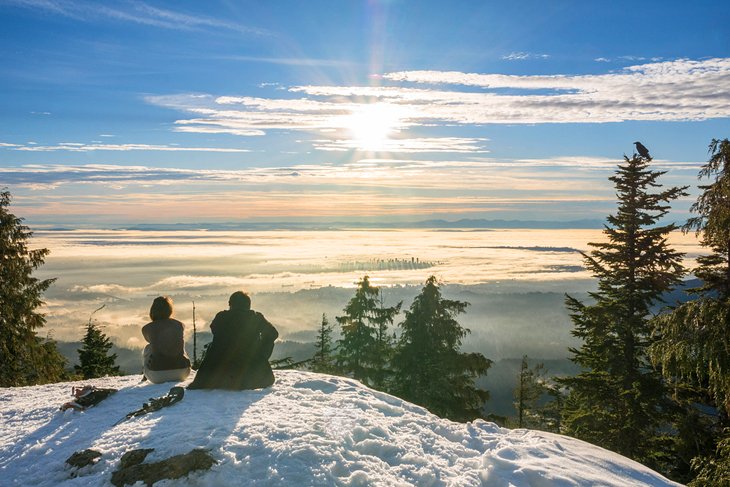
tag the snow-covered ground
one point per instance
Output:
(308, 429)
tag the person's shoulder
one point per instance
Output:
(257, 315)
(222, 314)
(220, 317)
(261, 318)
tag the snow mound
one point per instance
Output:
(308, 429)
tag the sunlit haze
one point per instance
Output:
(126, 269)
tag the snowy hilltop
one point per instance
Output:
(308, 429)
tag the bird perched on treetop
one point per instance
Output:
(643, 151)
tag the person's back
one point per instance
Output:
(164, 358)
(238, 356)
(167, 344)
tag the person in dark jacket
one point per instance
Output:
(238, 356)
(164, 358)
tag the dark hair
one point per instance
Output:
(239, 300)
(161, 308)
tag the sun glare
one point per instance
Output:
(372, 126)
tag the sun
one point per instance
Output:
(371, 126)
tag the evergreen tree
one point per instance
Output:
(323, 361)
(429, 368)
(25, 359)
(530, 389)
(358, 348)
(714, 471)
(693, 340)
(551, 411)
(94, 358)
(384, 342)
(618, 401)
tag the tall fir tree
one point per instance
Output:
(538, 398)
(619, 401)
(531, 387)
(429, 368)
(384, 342)
(25, 358)
(323, 360)
(94, 358)
(358, 348)
(358, 337)
(693, 340)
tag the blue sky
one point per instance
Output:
(129, 112)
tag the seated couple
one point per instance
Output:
(237, 358)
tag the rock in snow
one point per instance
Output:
(308, 429)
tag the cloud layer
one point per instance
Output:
(678, 90)
(407, 188)
(427, 111)
(81, 147)
(206, 266)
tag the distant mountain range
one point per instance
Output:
(340, 225)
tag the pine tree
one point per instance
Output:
(25, 359)
(551, 411)
(530, 389)
(94, 358)
(429, 368)
(384, 342)
(323, 361)
(713, 221)
(693, 340)
(538, 399)
(618, 402)
(358, 337)
(358, 348)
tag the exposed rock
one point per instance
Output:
(149, 473)
(80, 459)
(134, 457)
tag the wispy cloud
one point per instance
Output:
(368, 186)
(641, 58)
(632, 59)
(569, 187)
(422, 144)
(176, 283)
(407, 172)
(660, 91)
(523, 56)
(673, 90)
(81, 147)
(55, 174)
(134, 12)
